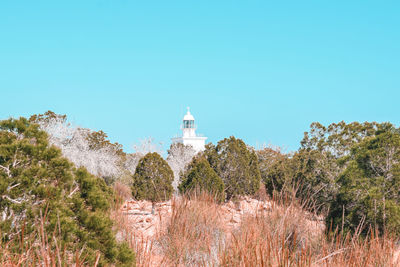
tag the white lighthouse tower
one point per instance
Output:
(189, 136)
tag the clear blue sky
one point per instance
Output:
(259, 70)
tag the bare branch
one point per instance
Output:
(7, 170)
(11, 200)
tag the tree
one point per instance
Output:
(37, 182)
(129, 161)
(200, 176)
(83, 147)
(323, 156)
(338, 138)
(179, 156)
(274, 169)
(152, 179)
(369, 187)
(236, 164)
(147, 145)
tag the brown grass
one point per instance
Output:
(36, 250)
(197, 235)
(194, 234)
(285, 235)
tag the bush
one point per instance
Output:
(369, 187)
(152, 179)
(274, 169)
(200, 176)
(236, 164)
(38, 185)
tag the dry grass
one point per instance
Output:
(197, 235)
(141, 246)
(36, 250)
(194, 234)
(285, 235)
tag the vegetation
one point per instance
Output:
(58, 206)
(284, 235)
(349, 171)
(152, 179)
(41, 189)
(179, 156)
(199, 176)
(236, 164)
(83, 147)
(274, 169)
(369, 186)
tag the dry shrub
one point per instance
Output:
(194, 234)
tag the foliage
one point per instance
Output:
(313, 171)
(147, 145)
(83, 147)
(200, 176)
(152, 179)
(179, 156)
(37, 182)
(236, 164)
(274, 169)
(338, 138)
(369, 187)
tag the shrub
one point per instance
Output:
(152, 179)
(179, 156)
(369, 187)
(274, 169)
(38, 184)
(200, 176)
(236, 164)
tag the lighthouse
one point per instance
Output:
(189, 137)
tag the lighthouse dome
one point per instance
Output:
(188, 116)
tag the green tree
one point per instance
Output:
(35, 181)
(200, 176)
(152, 179)
(337, 139)
(322, 158)
(236, 164)
(274, 169)
(369, 187)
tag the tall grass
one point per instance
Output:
(38, 249)
(194, 234)
(285, 235)
(197, 234)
